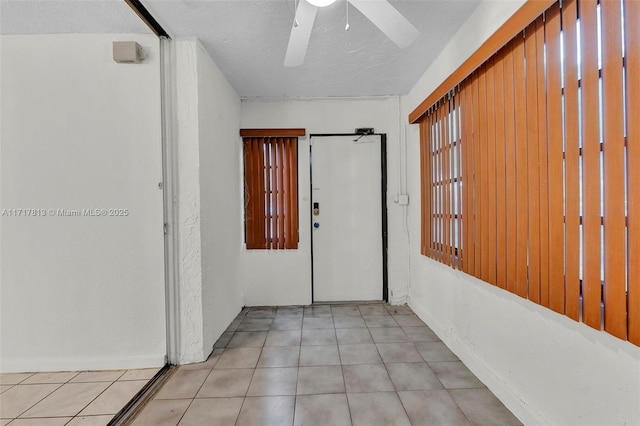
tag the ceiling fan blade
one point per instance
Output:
(299, 38)
(388, 20)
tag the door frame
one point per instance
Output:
(169, 184)
(383, 189)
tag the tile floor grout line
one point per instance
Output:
(105, 389)
(246, 393)
(342, 371)
(295, 392)
(43, 398)
(199, 388)
(457, 405)
(97, 396)
(391, 380)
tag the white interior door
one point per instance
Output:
(347, 225)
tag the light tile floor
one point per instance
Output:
(329, 365)
(88, 398)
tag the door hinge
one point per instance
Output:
(165, 228)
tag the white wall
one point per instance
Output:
(283, 277)
(209, 235)
(191, 343)
(545, 367)
(221, 203)
(79, 131)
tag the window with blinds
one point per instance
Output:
(530, 166)
(271, 188)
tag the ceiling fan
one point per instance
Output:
(386, 17)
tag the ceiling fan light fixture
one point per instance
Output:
(321, 3)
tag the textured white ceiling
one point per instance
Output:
(68, 16)
(248, 39)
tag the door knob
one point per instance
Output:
(316, 225)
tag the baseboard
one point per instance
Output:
(8, 365)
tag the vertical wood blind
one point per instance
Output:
(271, 192)
(530, 166)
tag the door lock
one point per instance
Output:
(316, 209)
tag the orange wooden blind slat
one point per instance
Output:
(458, 185)
(555, 170)
(423, 169)
(425, 205)
(431, 168)
(450, 184)
(293, 171)
(258, 207)
(510, 164)
(276, 193)
(432, 193)
(280, 198)
(441, 174)
(591, 286)
(464, 162)
(434, 170)
(450, 190)
(490, 221)
(572, 160)
(542, 163)
(281, 189)
(285, 193)
(275, 188)
(500, 168)
(476, 175)
(261, 208)
(281, 193)
(615, 297)
(441, 199)
(470, 180)
(434, 178)
(249, 173)
(286, 184)
(439, 124)
(268, 178)
(483, 197)
(267, 195)
(632, 53)
(446, 179)
(254, 194)
(269, 228)
(429, 184)
(533, 179)
(522, 221)
(291, 237)
(275, 242)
